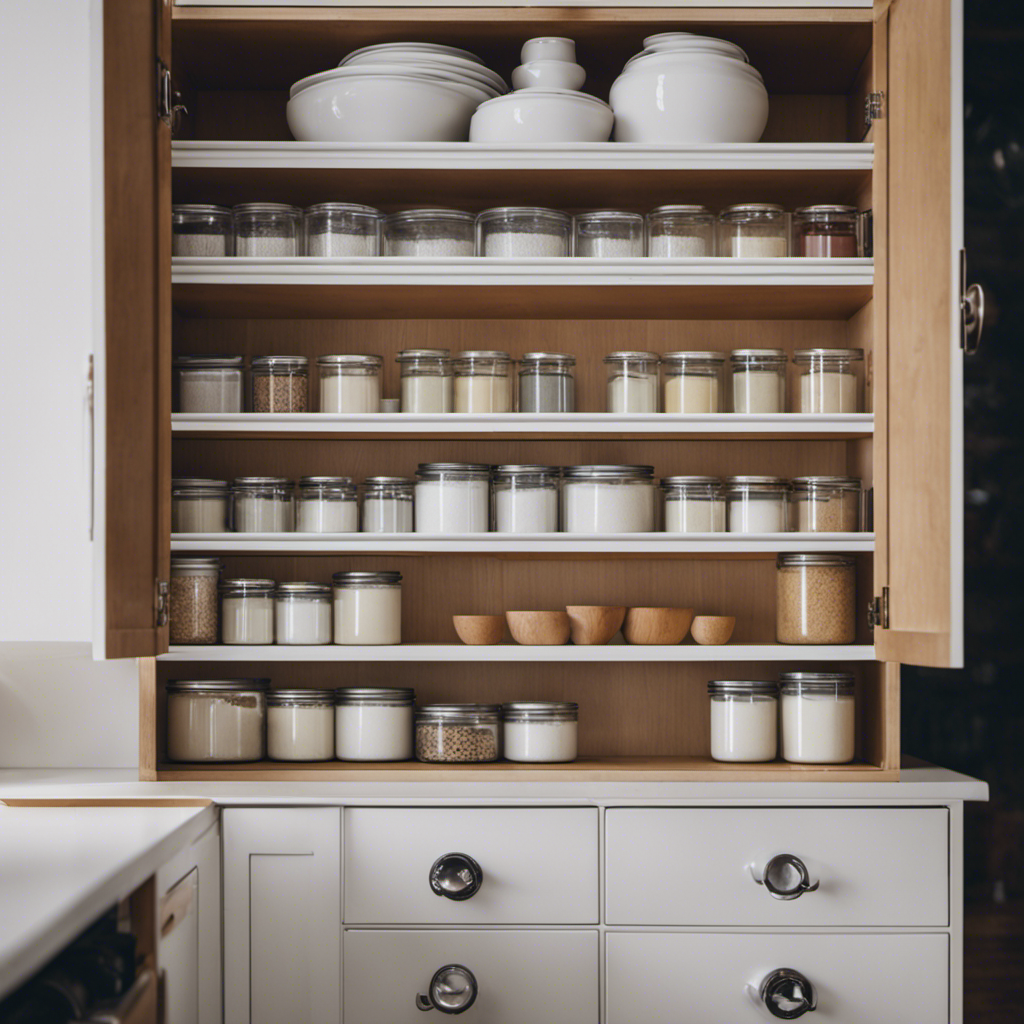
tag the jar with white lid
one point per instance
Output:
(694, 504)
(608, 234)
(374, 723)
(268, 230)
(430, 233)
(367, 608)
(280, 384)
(453, 497)
(349, 383)
(199, 506)
(757, 504)
(608, 499)
(525, 499)
(744, 720)
(523, 232)
(815, 599)
(428, 382)
(829, 379)
(201, 229)
(680, 232)
(300, 725)
(542, 731)
(546, 382)
(758, 380)
(753, 231)
(694, 382)
(302, 614)
(388, 504)
(483, 381)
(247, 611)
(209, 384)
(825, 504)
(463, 733)
(263, 504)
(632, 381)
(342, 229)
(819, 717)
(827, 231)
(326, 504)
(192, 602)
(212, 720)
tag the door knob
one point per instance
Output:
(788, 994)
(453, 989)
(785, 877)
(456, 876)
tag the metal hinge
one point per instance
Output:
(163, 598)
(878, 611)
(874, 108)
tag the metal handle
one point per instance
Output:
(453, 989)
(785, 877)
(972, 310)
(788, 994)
(456, 876)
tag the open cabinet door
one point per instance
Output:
(920, 530)
(133, 441)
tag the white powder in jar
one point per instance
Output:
(452, 506)
(198, 244)
(633, 393)
(348, 392)
(604, 507)
(526, 510)
(320, 515)
(215, 727)
(210, 391)
(302, 620)
(596, 247)
(483, 393)
(199, 515)
(817, 728)
(747, 246)
(678, 246)
(387, 515)
(691, 393)
(300, 733)
(431, 248)
(744, 730)
(757, 515)
(267, 246)
(758, 391)
(263, 515)
(694, 515)
(328, 244)
(373, 732)
(368, 615)
(523, 244)
(540, 741)
(427, 393)
(247, 620)
(828, 392)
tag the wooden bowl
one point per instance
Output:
(594, 623)
(480, 630)
(538, 629)
(713, 629)
(657, 625)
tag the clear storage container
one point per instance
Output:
(483, 381)
(753, 231)
(201, 229)
(374, 723)
(816, 599)
(388, 504)
(453, 497)
(367, 608)
(192, 606)
(608, 234)
(694, 504)
(428, 381)
(608, 499)
(525, 499)
(827, 231)
(744, 720)
(542, 731)
(247, 611)
(694, 382)
(271, 230)
(213, 720)
(757, 504)
(523, 232)
(300, 725)
(199, 506)
(680, 231)
(209, 384)
(825, 504)
(342, 229)
(632, 381)
(829, 379)
(326, 504)
(349, 383)
(758, 380)
(430, 233)
(263, 504)
(458, 732)
(546, 382)
(302, 614)
(819, 717)
(280, 384)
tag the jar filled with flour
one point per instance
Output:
(757, 504)
(758, 380)
(247, 611)
(744, 720)
(326, 504)
(546, 382)
(483, 381)
(819, 717)
(694, 504)
(216, 720)
(542, 731)
(523, 232)
(201, 229)
(680, 232)
(367, 608)
(374, 723)
(263, 504)
(753, 231)
(349, 383)
(525, 499)
(632, 381)
(428, 383)
(300, 725)
(342, 229)
(302, 614)
(209, 384)
(694, 382)
(199, 506)
(453, 497)
(830, 379)
(608, 234)
(430, 233)
(608, 499)
(388, 504)
(267, 230)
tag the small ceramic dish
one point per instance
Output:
(548, 74)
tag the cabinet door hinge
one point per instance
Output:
(874, 108)
(878, 610)
(163, 598)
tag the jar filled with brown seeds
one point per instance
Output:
(458, 732)
(280, 384)
(193, 600)
(816, 599)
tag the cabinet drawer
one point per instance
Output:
(704, 978)
(875, 867)
(538, 865)
(521, 976)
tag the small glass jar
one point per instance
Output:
(608, 234)
(263, 504)
(430, 233)
(453, 497)
(632, 381)
(216, 720)
(546, 382)
(753, 231)
(744, 720)
(209, 384)
(483, 381)
(427, 380)
(829, 381)
(300, 725)
(349, 383)
(374, 723)
(201, 229)
(816, 599)
(523, 232)
(387, 504)
(326, 504)
(280, 384)
(302, 614)
(542, 731)
(608, 499)
(819, 717)
(694, 504)
(199, 506)
(342, 229)
(268, 230)
(247, 611)
(458, 732)
(192, 611)
(367, 608)
(525, 499)
(758, 380)
(757, 504)
(680, 232)
(825, 504)
(694, 382)
(827, 231)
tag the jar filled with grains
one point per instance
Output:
(758, 380)
(827, 231)
(680, 232)
(608, 234)
(201, 229)
(458, 732)
(829, 381)
(525, 499)
(753, 231)
(280, 384)
(825, 504)
(247, 611)
(302, 614)
(349, 383)
(546, 382)
(342, 229)
(271, 230)
(819, 717)
(694, 382)
(694, 504)
(388, 504)
(367, 608)
(193, 600)
(199, 506)
(300, 725)
(523, 232)
(263, 504)
(608, 499)
(757, 504)
(632, 381)
(374, 723)
(326, 504)
(483, 381)
(427, 380)
(209, 384)
(815, 599)
(216, 720)
(430, 233)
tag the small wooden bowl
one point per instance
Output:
(594, 623)
(713, 629)
(538, 629)
(480, 630)
(657, 625)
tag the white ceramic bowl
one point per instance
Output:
(475, 89)
(548, 74)
(453, 51)
(542, 115)
(418, 57)
(666, 41)
(548, 48)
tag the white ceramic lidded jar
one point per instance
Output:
(543, 731)
(744, 720)
(483, 381)
(753, 231)
(300, 725)
(680, 232)
(263, 504)
(694, 504)
(829, 382)
(247, 611)
(819, 717)
(209, 384)
(326, 504)
(388, 504)
(216, 720)
(608, 234)
(199, 506)
(758, 380)
(349, 383)
(757, 504)
(694, 382)
(428, 384)
(374, 723)
(523, 232)
(302, 614)
(608, 499)
(632, 381)
(525, 499)
(367, 608)
(453, 497)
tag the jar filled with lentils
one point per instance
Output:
(816, 599)
(280, 384)
(193, 600)
(458, 732)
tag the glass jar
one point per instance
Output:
(300, 725)
(374, 723)
(199, 506)
(694, 504)
(757, 504)
(753, 231)
(280, 384)
(825, 504)
(542, 731)
(453, 497)
(458, 732)
(758, 380)
(525, 499)
(192, 605)
(744, 720)
(827, 231)
(523, 232)
(546, 382)
(829, 382)
(247, 611)
(608, 234)
(608, 499)
(349, 383)
(387, 504)
(201, 229)
(694, 382)
(268, 230)
(816, 599)
(302, 614)
(216, 720)
(483, 381)
(427, 380)
(342, 229)
(681, 231)
(209, 384)
(263, 504)
(632, 381)
(367, 608)
(430, 233)
(819, 717)
(326, 504)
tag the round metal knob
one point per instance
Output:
(456, 876)
(453, 989)
(785, 877)
(788, 994)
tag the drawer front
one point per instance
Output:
(521, 976)
(539, 865)
(712, 978)
(875, 867)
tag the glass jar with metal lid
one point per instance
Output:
(247, 611)
(632, 381)
(349, 383)
(694, 382)
(830, 379)
(680, 231)
(271, 230)
(453, 497)
(342, 229)
(199, 506)
(326, 504)
(525, 499)
(744, 720)
(757, 504)
(827, 230)
(825, 504)
(816, 599)
(753, 231)
(694, 504)
(458, 732)
(192, 607)
(431, 233)
(523, 232)
(263, 504)
(608, 499)
(483, 381)
(819, 717)
(216, 720)
(758, 380)
(367, 608)
(608, 234)
(201, 229)
(542, 731)
(302, 613)
(300, 725)
(208, 384)
(374, 723)
(387, 504)
(427, 380)
(546, 382)
(280, 384)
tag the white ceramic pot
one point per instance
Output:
(548, 74)
(548, 48)
(542, 115)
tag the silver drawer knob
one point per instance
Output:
(785, 877)
(788, 994)
(453, 989)
(456, 876)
